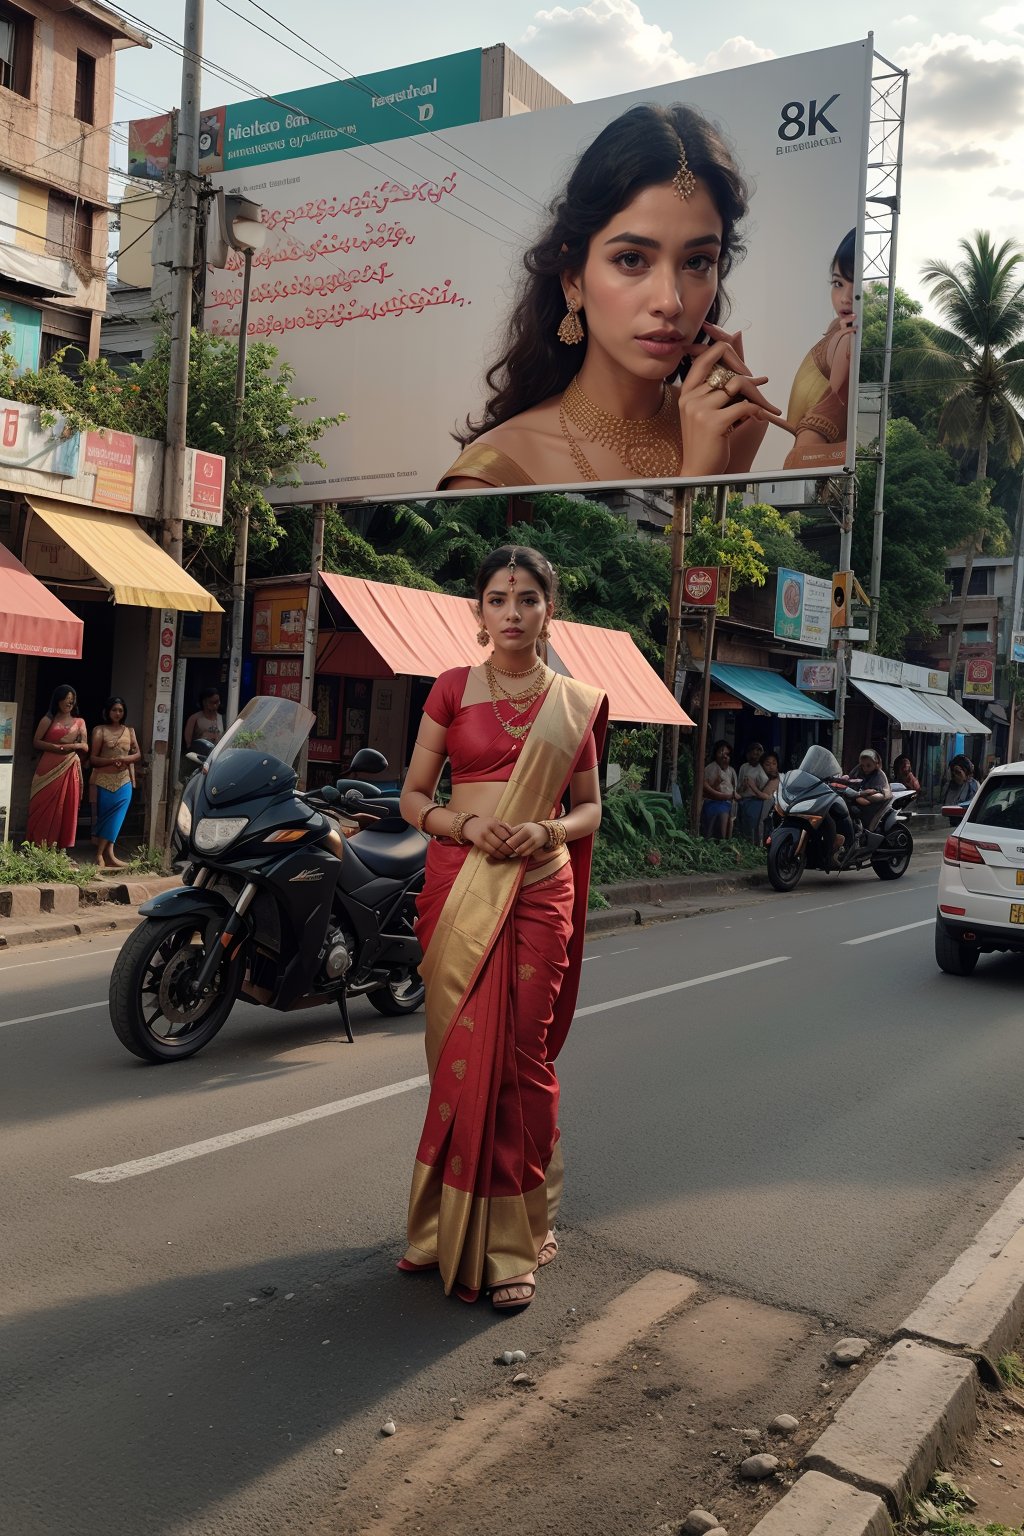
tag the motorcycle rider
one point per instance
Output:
(873, 792)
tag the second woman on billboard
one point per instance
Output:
(614, 366)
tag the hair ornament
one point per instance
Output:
(684, 181)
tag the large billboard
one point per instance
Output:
(390, 275)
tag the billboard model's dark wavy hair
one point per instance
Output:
(640, 149)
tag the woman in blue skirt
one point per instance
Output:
(113, 755)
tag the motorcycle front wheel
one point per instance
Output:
(891, 865)
(403, 992)
(149, 1007)
(785, 863)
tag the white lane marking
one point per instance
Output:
(118, 1171)
(630, 951)
(33, 1018)
(886, 933)
(679, 986)
(851, 901)
(21, 965)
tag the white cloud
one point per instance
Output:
(606, 46)
(1008, 18)
(1014, 194)
(968, 157)
(903, 21)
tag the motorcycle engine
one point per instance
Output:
(337, 955)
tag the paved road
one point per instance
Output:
(786, 1097)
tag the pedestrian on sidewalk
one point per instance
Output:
(501, 921)
(720, 793)
(55, 794)
(752, 781)
(770, 764)
(207, 724)
(903, 773)
(114, 753)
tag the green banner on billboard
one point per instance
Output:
(391, 104)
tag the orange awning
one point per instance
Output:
(32, 621)
(421, 634)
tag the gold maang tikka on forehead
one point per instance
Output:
(684, 181)
(512, 569)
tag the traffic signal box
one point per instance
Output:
(842, 587)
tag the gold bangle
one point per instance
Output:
(424, 813)
(557, 833)
(455, 831)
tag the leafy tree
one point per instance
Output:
(345, 551)
(755, 541)
(274, 440)
(979, 355)
(928, 512)
(916, 398)
(609, 573)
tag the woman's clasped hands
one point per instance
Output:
(711, 412)
(500, 840)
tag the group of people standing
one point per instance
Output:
(739, 803)
(66, 748)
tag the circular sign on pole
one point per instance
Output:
(700, 585)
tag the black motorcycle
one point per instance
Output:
(277, 907)
(802, 836)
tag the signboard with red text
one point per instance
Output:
(390, 274)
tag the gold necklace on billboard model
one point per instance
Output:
(652, 448)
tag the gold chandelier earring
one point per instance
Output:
(570, 331)
(482, 637)
(545, 635)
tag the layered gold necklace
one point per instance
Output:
(521, 702)
(652, 448)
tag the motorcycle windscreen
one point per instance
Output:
(272, 727)
(820, 762)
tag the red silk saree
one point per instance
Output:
(56, 790)
(503, 945)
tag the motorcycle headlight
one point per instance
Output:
(184, 819)
(215, 832)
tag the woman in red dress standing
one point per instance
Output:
(501, 922)
(56, 792)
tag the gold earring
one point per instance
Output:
(545, 634)
(570, 331)
(482, 637)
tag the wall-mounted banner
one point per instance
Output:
(816, 676)
(803, 608)
(389, 278)
(979, 678)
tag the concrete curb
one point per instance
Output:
(98, 908)
(905, 1418)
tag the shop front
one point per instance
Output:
(898, 708)
(757, 704)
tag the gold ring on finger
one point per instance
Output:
(719, 376)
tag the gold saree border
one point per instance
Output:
(40, 781)
(485, 888)
(476, 1241)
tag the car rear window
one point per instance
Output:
(1001, 803)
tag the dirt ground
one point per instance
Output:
(613, 1436)
(991, 1469)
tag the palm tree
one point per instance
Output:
(979, 354)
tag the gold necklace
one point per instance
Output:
(652, 448)
(520, 703)
(504, 672)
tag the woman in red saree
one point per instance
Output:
(501, 922)
(56, 791)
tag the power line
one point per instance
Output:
(164, 40)
(531, 205)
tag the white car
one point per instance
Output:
(981, 883)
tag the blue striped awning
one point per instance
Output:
(768, 692)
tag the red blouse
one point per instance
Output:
(478, 749)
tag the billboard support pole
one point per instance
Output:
(682, 511)
(843, 644)
(312, 628)
(702, 729)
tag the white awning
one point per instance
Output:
(906, 707)
(960, 719)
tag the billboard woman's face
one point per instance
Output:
(649, 279)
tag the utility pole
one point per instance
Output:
(682, 513)
(184, 199)
(843, 644)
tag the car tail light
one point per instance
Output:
(953, 911)
(961, 850)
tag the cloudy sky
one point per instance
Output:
(964, 154)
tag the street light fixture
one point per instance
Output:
(243, 232)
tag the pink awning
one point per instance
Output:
(32, 621)
(421, 634)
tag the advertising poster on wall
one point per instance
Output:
(979, 678)
(803, 608)
(391, 272)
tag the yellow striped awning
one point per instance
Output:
(131, 565)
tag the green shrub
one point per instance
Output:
(146, 860)
(37, 864)
(644, 836)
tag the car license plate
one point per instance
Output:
(1017, 912)
(1020, 877)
